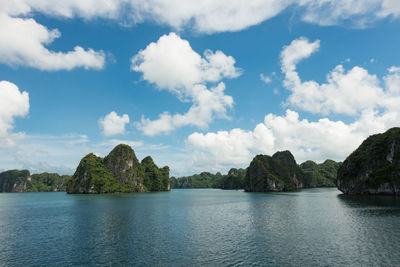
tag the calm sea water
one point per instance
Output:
(199, 228)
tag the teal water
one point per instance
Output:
(199, 228)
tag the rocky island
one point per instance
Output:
(119, 172)
(374, 167)
(232, 180)
(272, 174)
(18, 181)
(281, 173)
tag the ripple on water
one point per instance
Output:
(199, 228)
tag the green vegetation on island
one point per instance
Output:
(277, 173)
(281, 173)
(23, 181)
(202, 180)
(232, 180)
(374, 167)
(320, 175)
(265, 173)
(118, 172)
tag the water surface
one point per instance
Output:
(199, 228)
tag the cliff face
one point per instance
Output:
(271, 174)
(14, 181)
(120, 171)
(374, 167)
(154, 178)
(22, 181)
(124, 165)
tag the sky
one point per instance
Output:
(198, 85)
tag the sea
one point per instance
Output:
(200, 227)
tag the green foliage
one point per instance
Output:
(120, 171)
(281, 173)
(45, 182)
(320, 175)
(377, 160)
(9, 179)
(22, 181)
(202, 180)
(234, 179)
(155, 179)
(92, 175)
(125, 167)
(262, 170)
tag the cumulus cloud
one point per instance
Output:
(112, 124)
(23, 42)
(171, 64)
(13, 103)
(345, 92)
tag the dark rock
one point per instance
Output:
(374, 167)
(14, 181)
(272, 174)
(234, 179)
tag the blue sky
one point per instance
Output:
(183, 82)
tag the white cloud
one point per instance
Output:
(171, 64)
(345, 92)
(209, 16)
(13, 103)
(389, 8)
(23, 42)
(359, 13)
(207, 104)
(87, 9)
(112, 124)
(225, 15)
(266, 79)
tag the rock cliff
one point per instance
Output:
(23, 181)
(272, 174)
(374, 167)
(14, 181)
(120, 171)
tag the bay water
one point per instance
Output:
(199, 227)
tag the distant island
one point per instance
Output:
(266, 174)
(281, 173)
(22, 181)
(233, 180)
(374, 167)
(119, 172)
